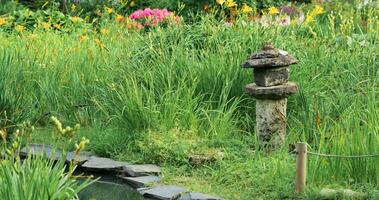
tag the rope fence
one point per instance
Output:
(341, 156)
(301, 163)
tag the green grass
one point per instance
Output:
(168, 94)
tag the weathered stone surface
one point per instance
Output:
(142, 181)
(39, 150)
(269, 53)
(271, 122)
(100, 163)
(271, 77)
(198, 196)
(269, 57)
(272, 92)
(280, 61)
(81, 158)
(141, 170)
(163, 192)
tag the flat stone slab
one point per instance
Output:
(40, 149)
(141, 170)
(142, 181)
(273, 92)
(269, 57)
(198, 196)
(100, 163)
(81, 158)
(163, 192)
(270, 62)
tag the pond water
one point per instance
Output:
(109, 191)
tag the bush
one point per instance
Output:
(43, 19)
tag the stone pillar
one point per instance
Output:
(271, 89)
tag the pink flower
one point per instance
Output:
(286, 21)
(152, 17)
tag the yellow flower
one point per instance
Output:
(109, 10)
(120, 18)
(75, 19)
(83, 38)
(99, 43)
(132, 4)
(57, 26)
(33, 36)
(246, 9)
(220, 2)
(206, 7)
(230, 3)
(233, 11)
(2, 21)
(273, 11)
(73, 7)
(104, 31)
(308, 19)
(82, 144)
(3, 134)
(20, 28)
(45, 25)
(318, 10)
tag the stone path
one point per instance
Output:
(144, 178)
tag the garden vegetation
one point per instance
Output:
(169, 90)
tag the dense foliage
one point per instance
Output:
(173, 91)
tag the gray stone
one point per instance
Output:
(142, 181)
(163, 192)
(271, 76)
(81, 158)
(143, 190)
(270, 53)
(141, 170)
(273, 92)
(41, 150)
(269, 57)
(280, 61)
(271, 122)
(198, 196)
(100, 163)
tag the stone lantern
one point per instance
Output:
(271, 89)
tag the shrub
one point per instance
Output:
(42, 19)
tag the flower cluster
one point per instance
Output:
(152, 17)
(46, 20)
(318, 10)
(283, 16)
(64, 132)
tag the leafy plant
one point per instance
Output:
(37, 178)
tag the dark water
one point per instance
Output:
(109, 191)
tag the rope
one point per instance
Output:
(342, 156)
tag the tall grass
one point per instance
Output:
(188, 78)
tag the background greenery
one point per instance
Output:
(172, 93)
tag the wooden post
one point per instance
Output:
(301, 166)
